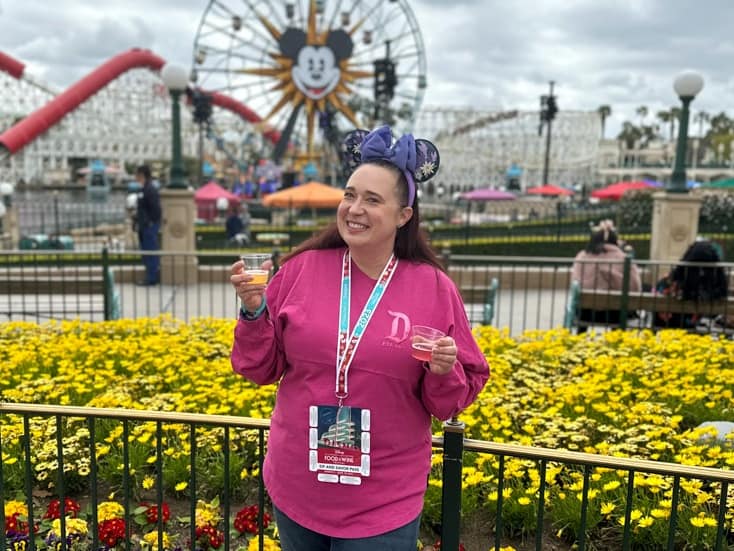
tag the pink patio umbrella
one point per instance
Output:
(488, 194)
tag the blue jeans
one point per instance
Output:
(149, 242)
(294, 537)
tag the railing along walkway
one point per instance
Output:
(452, 443)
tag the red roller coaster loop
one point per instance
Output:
(31, 127)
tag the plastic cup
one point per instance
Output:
(423, 339)
(255, 266)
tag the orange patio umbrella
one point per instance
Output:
(311, 194)
(549, 189)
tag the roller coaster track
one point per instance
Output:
(34, 125)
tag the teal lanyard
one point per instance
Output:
(347, 344)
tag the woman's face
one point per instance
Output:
(370, 213)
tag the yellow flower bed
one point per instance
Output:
(620, 393)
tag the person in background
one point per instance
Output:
(351, 428)
(148, 221)
(600, 267)
(237, 225)
(699, 283)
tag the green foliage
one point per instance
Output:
(634, 213)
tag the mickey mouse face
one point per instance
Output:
(315, 69)
(315, 72)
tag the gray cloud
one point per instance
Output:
(487, 53)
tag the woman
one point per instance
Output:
(350, 442)
(600, 266)
(692, 282)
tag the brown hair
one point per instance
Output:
(411, 241)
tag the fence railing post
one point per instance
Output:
(625, 298)
(453, 451)
(107, 284)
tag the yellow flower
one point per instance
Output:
(698, 522)
(73, 526)
(206, 513)
(268, 544)
(12, 507)
(610, 486)
(108, 510)
(148, 482)
(524, 501)
(646, 521)
(151, 538)
(607, 508)
(181, 486)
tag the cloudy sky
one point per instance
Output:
(488, 53)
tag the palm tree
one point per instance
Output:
(702, 117)
(629, 134)
(664, 117)
(604, 112)
(642, 113)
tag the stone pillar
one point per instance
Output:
(10, 228)
(674, 224)
(178, 236)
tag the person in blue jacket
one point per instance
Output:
(149, 224)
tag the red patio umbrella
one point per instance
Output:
(616, 190)
(206, 200)
(549, 189)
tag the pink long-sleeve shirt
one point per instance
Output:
(296, 343)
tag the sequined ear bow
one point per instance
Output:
(606, 226)
(417, 159)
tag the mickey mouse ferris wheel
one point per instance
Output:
(314, 68)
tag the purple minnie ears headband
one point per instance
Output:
(417, 159)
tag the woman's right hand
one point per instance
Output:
(250, 294)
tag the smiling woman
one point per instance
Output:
(333, 326)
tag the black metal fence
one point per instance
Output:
(29, 427)
(517, 293)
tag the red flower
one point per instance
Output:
(151, 515)
(209, 536)
(112, 531)
(71, 508)
(246, 520)
(12, 524)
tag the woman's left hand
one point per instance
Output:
(443, 356)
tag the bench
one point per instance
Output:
(648, 302)
(87, 292)
(489, 302)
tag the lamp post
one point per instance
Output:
(548, 110)
(176, 79)
(687, 84)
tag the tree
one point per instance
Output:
(630, 134)
(604, 112)
(642, 113)
(666, 117)
(701, 118)
(720, 136)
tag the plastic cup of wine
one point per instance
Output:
(255, 266)
(423, 339)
